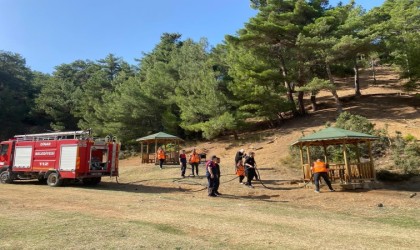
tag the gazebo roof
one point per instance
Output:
(334, 136)
(159, 136)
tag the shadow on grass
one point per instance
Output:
(265, 198)
(133, 187)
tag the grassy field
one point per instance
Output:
(153, 208)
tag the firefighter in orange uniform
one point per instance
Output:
(240, 170)
(320, 169)
(194, 161)
(161, 157)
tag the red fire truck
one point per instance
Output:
(56, 157)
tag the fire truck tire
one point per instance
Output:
(54, 180)
(5, 177)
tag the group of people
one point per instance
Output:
(245, 166)
(194, 160)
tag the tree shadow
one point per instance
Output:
(134, 188)
(409, 186)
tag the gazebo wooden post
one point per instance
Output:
(308, 156)
(177, 147)
(301, 160)
(141, 150)
(346, 163)
(325, 153)
(147, 151)
(358, 161)
(372, 168)
(155, 151)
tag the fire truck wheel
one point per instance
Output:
(5, 177)
(54, 180)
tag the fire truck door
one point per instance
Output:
(23, 157)
(68, 156)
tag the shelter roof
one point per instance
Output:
(159, 136)
(334, 136)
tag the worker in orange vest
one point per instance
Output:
(161, 156)
(320, 169)
(194, 161)
(240, 170)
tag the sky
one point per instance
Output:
(48, 33)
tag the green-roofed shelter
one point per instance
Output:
(163, 140)
(346, 172)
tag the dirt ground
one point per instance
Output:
(152, 208)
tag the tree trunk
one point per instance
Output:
(287, 85)
(313, 102)
(301, 103)
(372, 63)
(235, 135)
(333, 90)
(356, 78)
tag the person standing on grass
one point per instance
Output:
(161, 156)
(217, 177)
(210, 174)
(250, 168)
(239, 156)
(240, 170)
(320, 169)
(183, 162)
(194, 161)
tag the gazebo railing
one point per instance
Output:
(359, 172)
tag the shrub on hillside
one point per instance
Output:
(405, 153)
(358, 123)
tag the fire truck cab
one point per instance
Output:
(56, 157)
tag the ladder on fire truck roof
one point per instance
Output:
(54, 136)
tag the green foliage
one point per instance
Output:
(409, 138)
(355, 123)
(395, 26)
(315, 85)
(16, 93)
(361, 124)
(215, 126)
(406, 154)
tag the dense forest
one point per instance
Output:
(289, 49)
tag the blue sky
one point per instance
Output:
(51, 32)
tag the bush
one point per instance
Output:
(409, 138)
(360, 124)
(406, 154)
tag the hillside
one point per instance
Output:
(384, 104)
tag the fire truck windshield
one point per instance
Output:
(4, 149)
(3, 152)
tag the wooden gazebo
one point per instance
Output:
(347, 172)
(160, 139)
